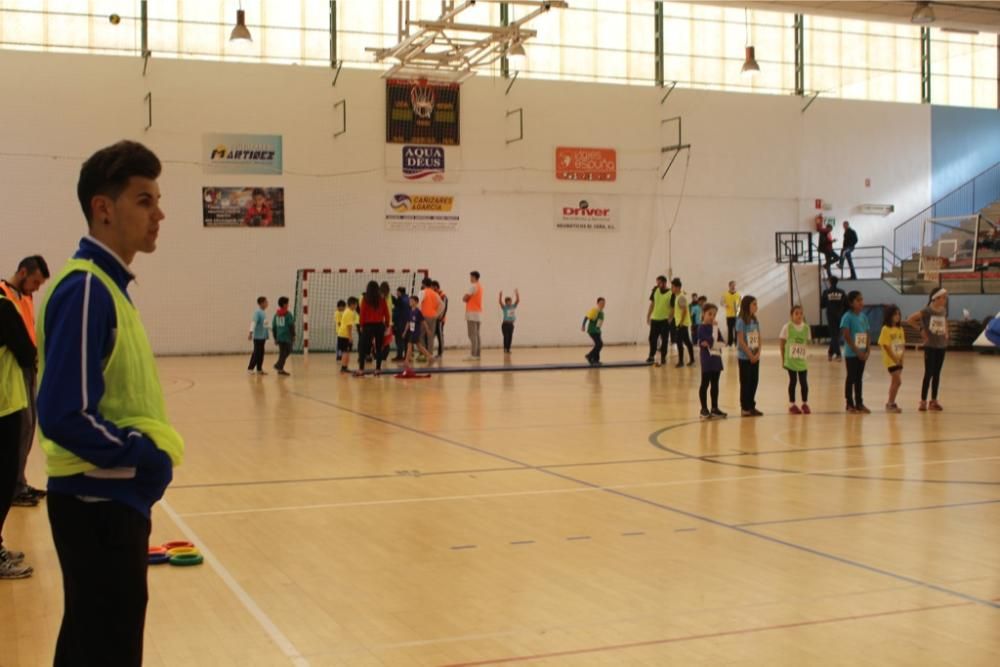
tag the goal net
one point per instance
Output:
(318, 290)
(950, 245)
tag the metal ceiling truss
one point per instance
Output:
(446, 49)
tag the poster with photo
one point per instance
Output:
(243, 206)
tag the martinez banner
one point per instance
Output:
(409, 211)
(243, 207)
(587, 213)
(241, 153)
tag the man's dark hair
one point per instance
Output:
(108, 171)
(435, 284)
(474, 274)
(261, 300)
(676, 282)
(661, 279)
(427, 282)
(34, 263)
(282, 301)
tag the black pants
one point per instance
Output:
(709, 379)
(372, 335)
(10, 438)
(833, 323)
(507, 328)
(800, 377)
(749, 378)
(29, 420)
(595, 354)
(103, 550)
(933, 361)
(730, 331)
(284, 350)
(257, 356)
(440, 338)
(399, 333)
(659, 338)
(682, 336)
(853, 386)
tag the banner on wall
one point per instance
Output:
(241, 153)
(587, 213)
(409, 211)
(243, 207)
(422, 163)
(586, 164)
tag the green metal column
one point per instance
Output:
(504, 21)
(333, 34)
(800, 61)
(925, 65)
(658, 37)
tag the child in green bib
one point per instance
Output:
(795, 337)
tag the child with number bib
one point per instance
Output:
(892, 340)
(748, 356)
(710, 344)
(854, 330)
(795, 336)
(933, 324)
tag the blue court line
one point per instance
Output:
(509, 368)
(849, 515)
(675, 510)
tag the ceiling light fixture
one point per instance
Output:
(240, 31)
(923, 14)
(516, 55)
(750, 66)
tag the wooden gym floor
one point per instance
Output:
(561, 518)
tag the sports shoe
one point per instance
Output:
(649, 360)
(24, 500)
(805, 409)
(11, 570)
(705, 414)
(261, 372)
(922, 407)
(934, 406)
(283, 372)
(345, 369)
(746, 413)
(37, 493)
(863, 409)
(691, 363)
(679, 365)
(756, 413)
(12, 556)
(716, 412)
(892, 408)
(794, 409)
(851, 410)
(358, 373)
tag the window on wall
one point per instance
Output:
(964, 69)
(593, 40)
(705, 47)
(862, 59)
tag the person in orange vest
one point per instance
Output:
(473, 299)
(31, 274)
(432, 307)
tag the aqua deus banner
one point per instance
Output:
(241, 153)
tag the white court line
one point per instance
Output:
(587, 489)
(272, 630)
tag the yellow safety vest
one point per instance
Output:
(13, 393)
(682, 316)
(133, 397)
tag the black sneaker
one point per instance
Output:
(716, 412)
(649, 360)
(344, 369)
(282, 372)
(24, 500)
(756, 413)
(705, 414)
(35, 493)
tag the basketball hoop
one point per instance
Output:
(422, 98)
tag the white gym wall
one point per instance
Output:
(757, 164)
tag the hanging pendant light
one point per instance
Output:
(516, 55)
(923, 14)
(240, 31)
(750, 66)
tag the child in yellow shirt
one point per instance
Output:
(892, 340)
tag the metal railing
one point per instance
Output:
(977, 193)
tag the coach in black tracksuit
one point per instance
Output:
(833, 300)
